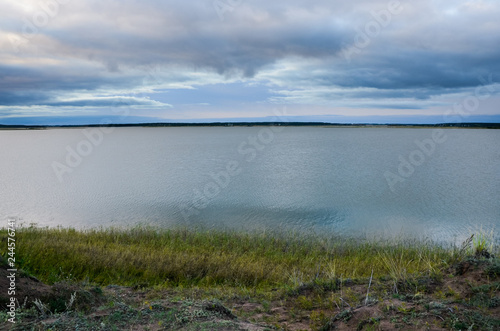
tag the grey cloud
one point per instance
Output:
(108, 102)
(430, 49)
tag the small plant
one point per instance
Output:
(44, 311)
(266, 305)
(397, 267)
(482, 243)
(493, 269)
(345, 315)
(305, 303)
(318, 319)
(71, 301)
(296, 278)
(370, 324)
(466, 248)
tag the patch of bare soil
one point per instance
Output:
(465, 297)
(26, 287)
(65, 306)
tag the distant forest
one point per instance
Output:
(225, 124)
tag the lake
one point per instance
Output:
(432, 183)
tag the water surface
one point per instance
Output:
(303, 178)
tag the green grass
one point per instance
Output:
(482, 242)
(146, 256)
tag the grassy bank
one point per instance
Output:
(150, 279)
(152, 257)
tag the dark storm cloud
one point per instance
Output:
(402, 69)
(227, 49)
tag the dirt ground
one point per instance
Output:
(464, 297)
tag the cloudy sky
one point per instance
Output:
(69, 61)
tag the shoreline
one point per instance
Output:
(260, 124)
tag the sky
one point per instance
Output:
(364, 61)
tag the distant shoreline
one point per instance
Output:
(252, 124)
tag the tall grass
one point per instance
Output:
(482, 242)
(183, 257)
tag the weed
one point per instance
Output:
(471, 320)
(397, 266)
(485, 296)
(305, 303)
(370, 323)
(318, 319)
(344, 315)
(43, 309)
(217, 307)
(482, 243)
(71, 301)
(493, 270)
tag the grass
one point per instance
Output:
(144, 256)
(195, 279)
(482, 242)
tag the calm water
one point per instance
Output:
(313, 179)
